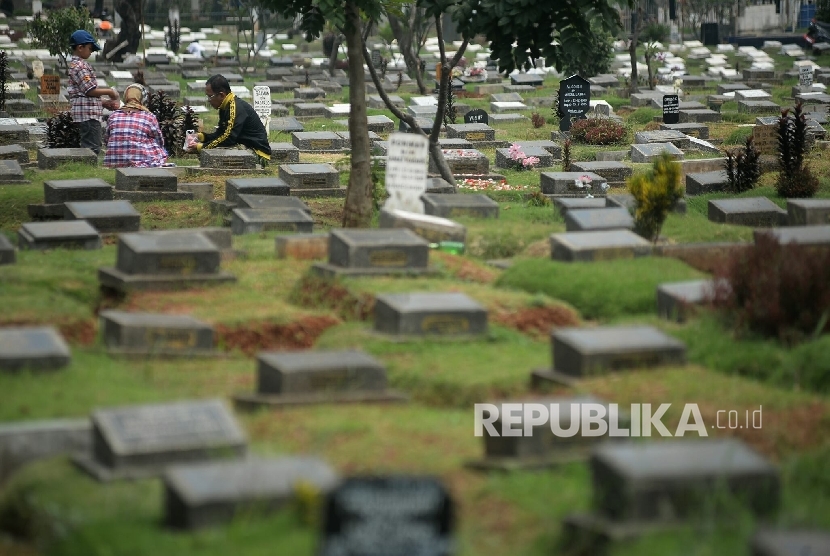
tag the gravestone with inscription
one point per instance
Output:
(311, 141)
(145, 179)
(406, 172)
(304, 377)
(416, 314)
(369, 252)
(671, 109)
(765, 135)
(254, 186)
(381, 516)
(452, 205)
(105, 216)
(155, 334)
(311, 179)
(569, 183)
(284, 152)
(32, 348)
(58, 192)
(210, 494)
(50, 159)
(598, 246)
(140, 441)
(476, 116)
(574, 100)
(227, 159)
(77, 234)
(162, 261)
(269, 219)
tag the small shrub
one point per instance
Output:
(537, 199)
(795, 179)
(777, 290)
(743, 167)
(170, 118)
(809, 363)
(655, 193)
(597, 131)
(566, 156)
(537, 119)
(738, 136)
(61, 132)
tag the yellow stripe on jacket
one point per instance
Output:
(229, 99)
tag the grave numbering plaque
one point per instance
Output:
(671, 109)
(477, 116)
(574, 100)
(262, 104)
(384, 516)
(406, 172)
(50, 84)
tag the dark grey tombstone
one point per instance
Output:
(316, 141)
(11, 172)
(624, 200)
(581, 352)
(464, 162)
(269, 219)
(319, 372)
(615, 172)
(814, 236)
(7, 253)
(671, 109)
(564, 183)
(598, 246)
(700, 183)
(676, 138)
(155, 334)
(808, 212)
(418, 111)
(665, 482)
(284, 152)
(701, 131)
(287, 124)
(747, 211)
(585, 220)
(650, 152)
(380, 124)
(105, 216)
(531, 79)
(790, 543)
(272, 201)
(699, 116)
(309, 93)
(145, 179)
(439, 186)
(554, 149)
(566, 204)
(32, 348)
(675, 300)
(309, 110)
(90, 189)
(50, 159)
(388, 515)
(254, 186)
(460, 204)
(387, 251)
(574, 100)
(140, 441)
(13, 134)
(416, 314)
(432, 228)
(310, 176)
(23, 442)
(229, 159)
(77, 234)
(14, 152)
(211, 494)
(477, 116)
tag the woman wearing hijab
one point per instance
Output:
(133, 135)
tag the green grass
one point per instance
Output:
(599, 290)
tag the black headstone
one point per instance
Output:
(384, 516)
(574, 100)
(671, 109)
(477, 116)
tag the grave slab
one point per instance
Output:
(77, 234)
(310, 176)
(566, 204)
(268, 219)
(700, 183)
(272, 201)
(13, 134)
(284, 152)
(460, 204)
(287, 124)
(145, 179)
(211, 494)
(387, 251)
(320, 141)
(231, 159)
(675, 137)
(309, 93)
(554, 149)
(146, 334)
(758, 107)
(790, 543)
(464, 162)
(650, 152)
(699, 116)
(90, 189)
(598, 246)
(439, 186)
(14, 152)
(808, 212)
(564, 183)
(432, 228)
(32, 348)
(747, 211)
(700, 131)
(380, 124)
(105, 216)
(584, 220)
(527, 79)
(815, 236)
(254, 186)
(7, 252)
(24, 442)
(675, 300)
(416, 314)
(139, 441)
(614, 172)
(309, 110)
(50, 159)
(11, 173)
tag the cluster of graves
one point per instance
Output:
(198, 448)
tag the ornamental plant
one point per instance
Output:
(655, 193)
(61, 133)
(519, 159)
(743, 167)
(597, 131)
(795, 179)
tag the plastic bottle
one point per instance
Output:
(453, 247)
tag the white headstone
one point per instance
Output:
(262, 103)
(37, 69)
(805, 76)
(406, 172)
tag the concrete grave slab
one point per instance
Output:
(808, 212)
(33, 348)
(747, 211)
(268, 219)
(145, 179)
(700, 183)
(76, 234)
(146, 334)
(584, 220)
(432, 228)
(675, 299)
(50, 159)
(385, 251)
(453, 205)
(598, 246)
(650, 152)
(564, 183)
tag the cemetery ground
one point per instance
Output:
(277, 304)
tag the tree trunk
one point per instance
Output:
(338, 38)
(405, 37)
(650, 74)
(632, 50)
(357, 211)
(130, 32)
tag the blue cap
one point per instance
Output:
(83, 37)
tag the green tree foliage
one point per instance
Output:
(53, 30)
(655, 193)
(593, 60)
(551, 30)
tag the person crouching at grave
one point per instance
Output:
(238, 124)
(133, 134)
(84, 93)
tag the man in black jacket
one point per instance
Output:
(238, 123)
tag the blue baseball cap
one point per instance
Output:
(80, 37)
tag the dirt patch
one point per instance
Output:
(320, 293)
(537, 321)
(78, 332)
(326, 213)
(465, 269)
(253, 337)
(468, 94)
(539, 248)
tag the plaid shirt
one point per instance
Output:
(81, 81)
(134, 139)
